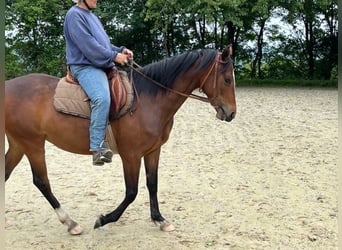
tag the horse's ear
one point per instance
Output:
(227, 52)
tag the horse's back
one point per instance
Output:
(30, 84)
(26, 100)
(30, 116)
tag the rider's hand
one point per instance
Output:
(129, 53)
(121, 58)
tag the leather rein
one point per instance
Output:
(214, 66)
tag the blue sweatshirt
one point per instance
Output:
(87, 43)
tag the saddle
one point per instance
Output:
(71, 99)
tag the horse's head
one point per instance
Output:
(219, 85)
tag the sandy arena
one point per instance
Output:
(267, 180)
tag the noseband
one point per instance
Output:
(194, 96)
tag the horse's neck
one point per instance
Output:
(169, 100)
(176, 97)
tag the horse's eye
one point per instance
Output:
(227, 81)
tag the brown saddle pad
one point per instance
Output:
(71, 99)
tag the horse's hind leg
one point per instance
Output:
(36, 158)
(151, 168)
(13, 156)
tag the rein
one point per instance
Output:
(193, 96)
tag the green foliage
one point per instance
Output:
(286, 83)
(34, 41)
(155, 29)
(126, 25)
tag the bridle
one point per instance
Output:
(214, 66)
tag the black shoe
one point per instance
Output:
(102, 156)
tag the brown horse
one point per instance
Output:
(161, 88)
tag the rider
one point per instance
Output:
(89, 54)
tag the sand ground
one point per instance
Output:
(267, 180)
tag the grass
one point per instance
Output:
(286, 83)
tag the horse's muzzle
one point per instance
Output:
(225, 114)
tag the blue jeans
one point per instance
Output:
(95, 83)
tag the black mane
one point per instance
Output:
(167, 70)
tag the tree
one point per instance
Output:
(328, 42)
(34, 40)
(125, 24)
(308, 14)
(167, 19)
(261, 11)
(155, 29)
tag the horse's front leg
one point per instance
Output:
(151, 168)
(131, 174)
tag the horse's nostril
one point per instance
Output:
(230, 117)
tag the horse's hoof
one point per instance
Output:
(166, 227)
(98, 222)
(76, 230)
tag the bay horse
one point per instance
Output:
(161, 88)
